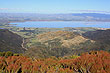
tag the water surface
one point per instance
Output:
(61, 24)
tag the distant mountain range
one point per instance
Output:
(14, 17)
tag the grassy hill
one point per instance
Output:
(10, 41)
(58, 43)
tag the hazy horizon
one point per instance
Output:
(54, 6)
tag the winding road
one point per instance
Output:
(22, 45)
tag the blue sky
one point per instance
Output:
(54, 6)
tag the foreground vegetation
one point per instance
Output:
(92, 62)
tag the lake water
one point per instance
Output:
(61, 24)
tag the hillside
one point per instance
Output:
(101, 37)
(10, 41)
(58, 43)
(66, 38)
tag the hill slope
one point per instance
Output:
(10, 41)
(59, 43)
(102, 37)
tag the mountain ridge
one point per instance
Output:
(20, 17)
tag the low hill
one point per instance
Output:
(10, 41)
(66, 38)
(58, 43)
(65, 43)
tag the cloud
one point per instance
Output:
(91, 11)
(10, 9)
(4, 9)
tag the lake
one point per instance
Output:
(61, 24)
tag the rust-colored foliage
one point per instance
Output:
(93, 62)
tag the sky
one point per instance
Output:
(54, 6)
